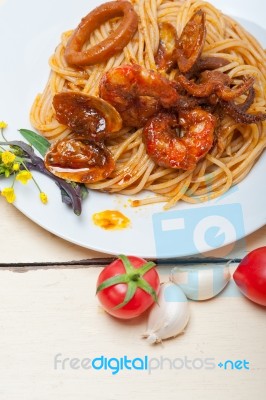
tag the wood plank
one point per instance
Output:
(55, 312)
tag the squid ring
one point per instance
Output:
(115, 42)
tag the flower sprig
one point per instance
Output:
(18, 160)
(12, 163)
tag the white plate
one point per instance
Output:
(29, 32)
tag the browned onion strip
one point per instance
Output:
(115, 42)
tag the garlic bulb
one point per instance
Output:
(201, 282)
(169, 316)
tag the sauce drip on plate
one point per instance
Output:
(110, 220)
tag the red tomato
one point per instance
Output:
(250, 276)
(128, 287)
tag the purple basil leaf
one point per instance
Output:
(74, 192)
(74, 197)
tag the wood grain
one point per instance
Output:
(50, 311)
(45, 313)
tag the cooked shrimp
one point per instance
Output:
(138, 94)
(179, 142)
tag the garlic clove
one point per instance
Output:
(169, 317)
(201, 282)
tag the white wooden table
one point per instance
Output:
(48, 315)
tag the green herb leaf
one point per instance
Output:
(131, 290)
(37, 141)
(144, 285)
(114, 280)
(83, 192)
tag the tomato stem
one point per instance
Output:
(133, 278)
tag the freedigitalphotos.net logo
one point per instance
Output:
(197, 230)
(144, 363)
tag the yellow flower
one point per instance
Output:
(43, 197)
(3, 125)
(9, 194)
(23, 176)
(16, 167)
(8, 157)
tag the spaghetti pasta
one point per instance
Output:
(237, 147)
